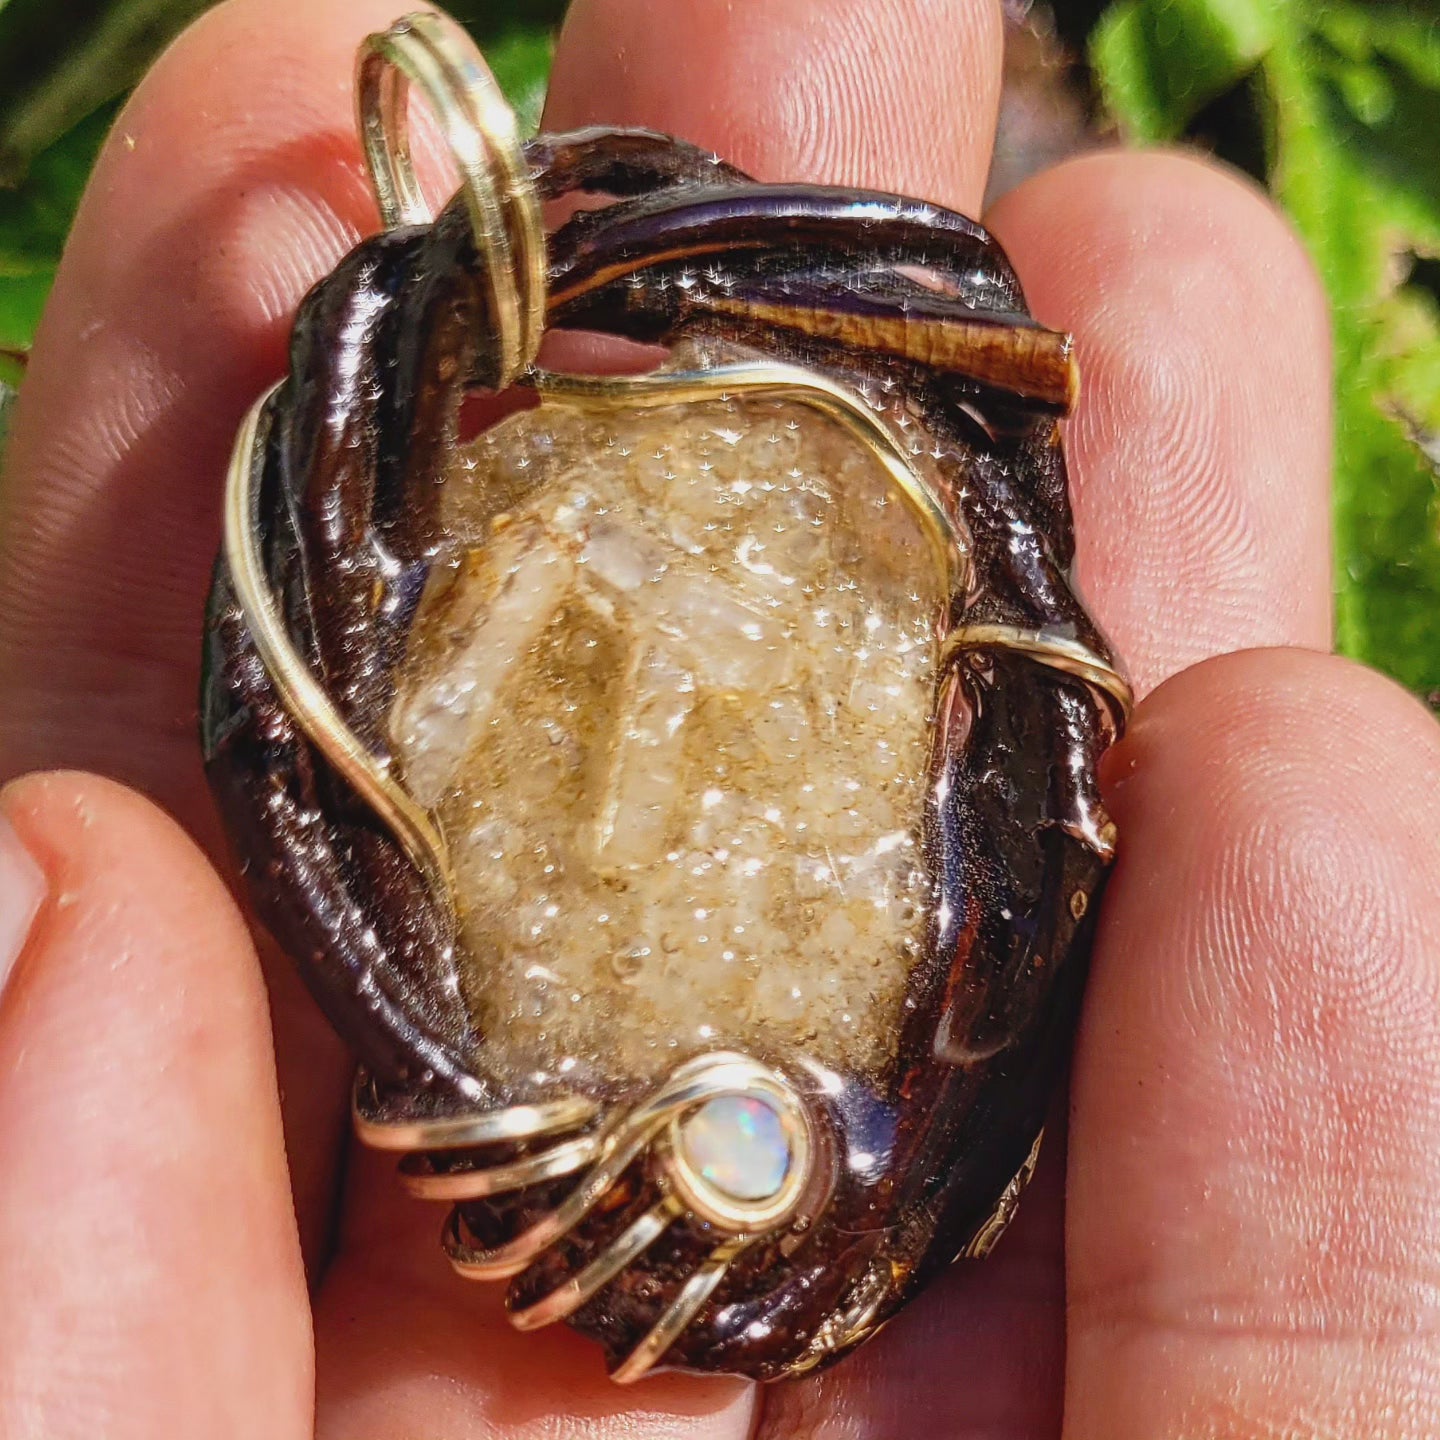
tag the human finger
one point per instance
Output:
(1199, 458)
(148, 1251)
(1200, 450)
(1255, 1138)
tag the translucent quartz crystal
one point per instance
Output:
(670, 693)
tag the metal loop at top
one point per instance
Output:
(480, 129)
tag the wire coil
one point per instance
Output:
(484, 140)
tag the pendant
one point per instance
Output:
(679, 788)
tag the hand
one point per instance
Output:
(1252, 1211)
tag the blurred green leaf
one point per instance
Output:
(34, 221)
(1161, 63)
(1352, 140)
(61, 59)
(520, 59)
(518, 38)
(59, 62)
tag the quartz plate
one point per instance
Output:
(670, 695)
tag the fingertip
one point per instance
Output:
(1195, 208)
(92, 837)
(88, 827)
(231, 182)
(901, 96)
(1241, 723)
(1288, 801)
(1200, 451)
(1257, 1081)
(1293, 798)
(144, 1168)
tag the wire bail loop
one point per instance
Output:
(481, 131)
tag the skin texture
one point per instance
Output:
(1254, 1143)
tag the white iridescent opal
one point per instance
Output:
(671, 702)
(738, 1144)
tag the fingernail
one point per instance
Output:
(22, 891)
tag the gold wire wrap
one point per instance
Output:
(1055, 650)
(630, 1132)
(465, 1132)
(480, 129)
(579, 1289)
(653, 1124)
(300, 693)
(681, 1311)
(426, 1183)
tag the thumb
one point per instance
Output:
(148, 1254)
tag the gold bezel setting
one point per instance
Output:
(604, 1155)
(750, 1081)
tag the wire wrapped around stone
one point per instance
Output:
(350, 455)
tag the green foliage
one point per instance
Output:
(520, 59)
(518, 38)
(62, 67)
(61, 59)
(1162, 62)
(34, 221)
(1347, 96)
